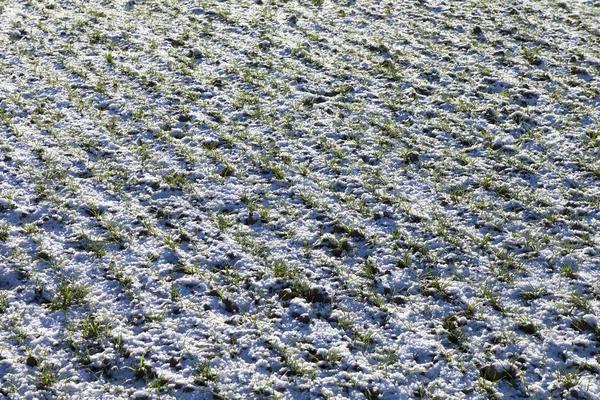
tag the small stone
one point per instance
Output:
(304, 318)
(497, 371)
(250, 220)
(177, 133)
(575, 70)
(265, 44)
(317, 294)
(293, 19)
(522, 359)
(141, 395)
(357, 233)
(586, 323)
(210, 143)
(477, 30)
(536, 61)
(155, 185)
(195, 53)
(388, 64)
(298, 306)
(230, 305)
(42, 255)
(412, 157)
(285, 295)
(15, 34)
(32, 361)
(226, 171)
(184, 118)
(490, 116)
(176, 42)
(399, 300)
(529, 328)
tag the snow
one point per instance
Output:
(248, 199)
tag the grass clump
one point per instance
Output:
(69, 293)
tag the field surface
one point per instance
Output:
(315, 199)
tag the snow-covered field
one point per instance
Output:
(315, 199)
